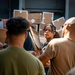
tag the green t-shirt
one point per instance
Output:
(17, 61)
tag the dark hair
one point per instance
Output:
(17, 25)
(53, 29)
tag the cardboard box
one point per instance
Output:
(3, 35)
(35, 18)
(35, 26)
(47, 17)
(41, 29)
(58, 23)
(20, 13)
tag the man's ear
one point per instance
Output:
(68, 27)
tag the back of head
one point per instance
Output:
(70, 21)
(69, 27)
(17, 25)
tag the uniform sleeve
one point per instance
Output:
(51, 49)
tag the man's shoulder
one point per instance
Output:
(58, 40)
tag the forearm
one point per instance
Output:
(43, 58)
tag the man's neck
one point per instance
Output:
(71, 36)
(16, 44)
(17, 41)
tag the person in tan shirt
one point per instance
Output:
(61, 51)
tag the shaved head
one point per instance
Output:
(70, 21)
(69, 26)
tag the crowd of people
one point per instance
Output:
(57, 57)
